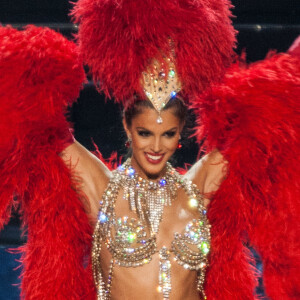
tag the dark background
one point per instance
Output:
(262, 24)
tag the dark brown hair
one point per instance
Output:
(177, 105)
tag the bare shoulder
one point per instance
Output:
(93, 176)
(209, 172)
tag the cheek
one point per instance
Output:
(171, 144)
(139, 143)
(167, 144)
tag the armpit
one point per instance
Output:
(208, 173)
(216, 170)
(90, 176)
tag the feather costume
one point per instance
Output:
(40, 75)
(252, 118)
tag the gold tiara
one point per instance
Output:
(161, 83)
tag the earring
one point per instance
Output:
(179, 146)
(128, 143)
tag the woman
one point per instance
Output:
(152, 44)
(152, 146)
(249, 119)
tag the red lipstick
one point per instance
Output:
(154, 158)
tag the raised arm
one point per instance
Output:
(208, 174)
(92, 176)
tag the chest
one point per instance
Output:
(140, 223)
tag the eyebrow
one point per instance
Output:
(143, 128)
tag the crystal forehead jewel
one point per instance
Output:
(161, 83)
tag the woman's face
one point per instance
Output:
(152, 143)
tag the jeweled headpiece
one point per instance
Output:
(161, 83)
(121, 39)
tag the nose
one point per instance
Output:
(156, 146)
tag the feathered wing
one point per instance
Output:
(40, 74)
(253, 119)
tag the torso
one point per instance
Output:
(141, 282)
(117, 222)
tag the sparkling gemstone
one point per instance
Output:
(121, 168)
(161, 75)
(193, 203)
(131, 237)
(204, 212)
(129, 250)
(172, 73)
(159, 120)
(204, 247)
(162, 182)
(149, 95)
(173, 94)
(130, 171)
(102, 217)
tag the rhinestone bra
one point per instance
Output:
(131, 245)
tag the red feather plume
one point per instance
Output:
(37, 64)
(40, 74)
(253, 119)
(118, 39)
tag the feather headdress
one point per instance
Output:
(119, 39)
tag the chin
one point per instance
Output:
(154, 170)
(151, 169)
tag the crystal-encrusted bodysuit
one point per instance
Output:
(131, 245)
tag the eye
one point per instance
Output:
(170, 134)
(144, 133)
